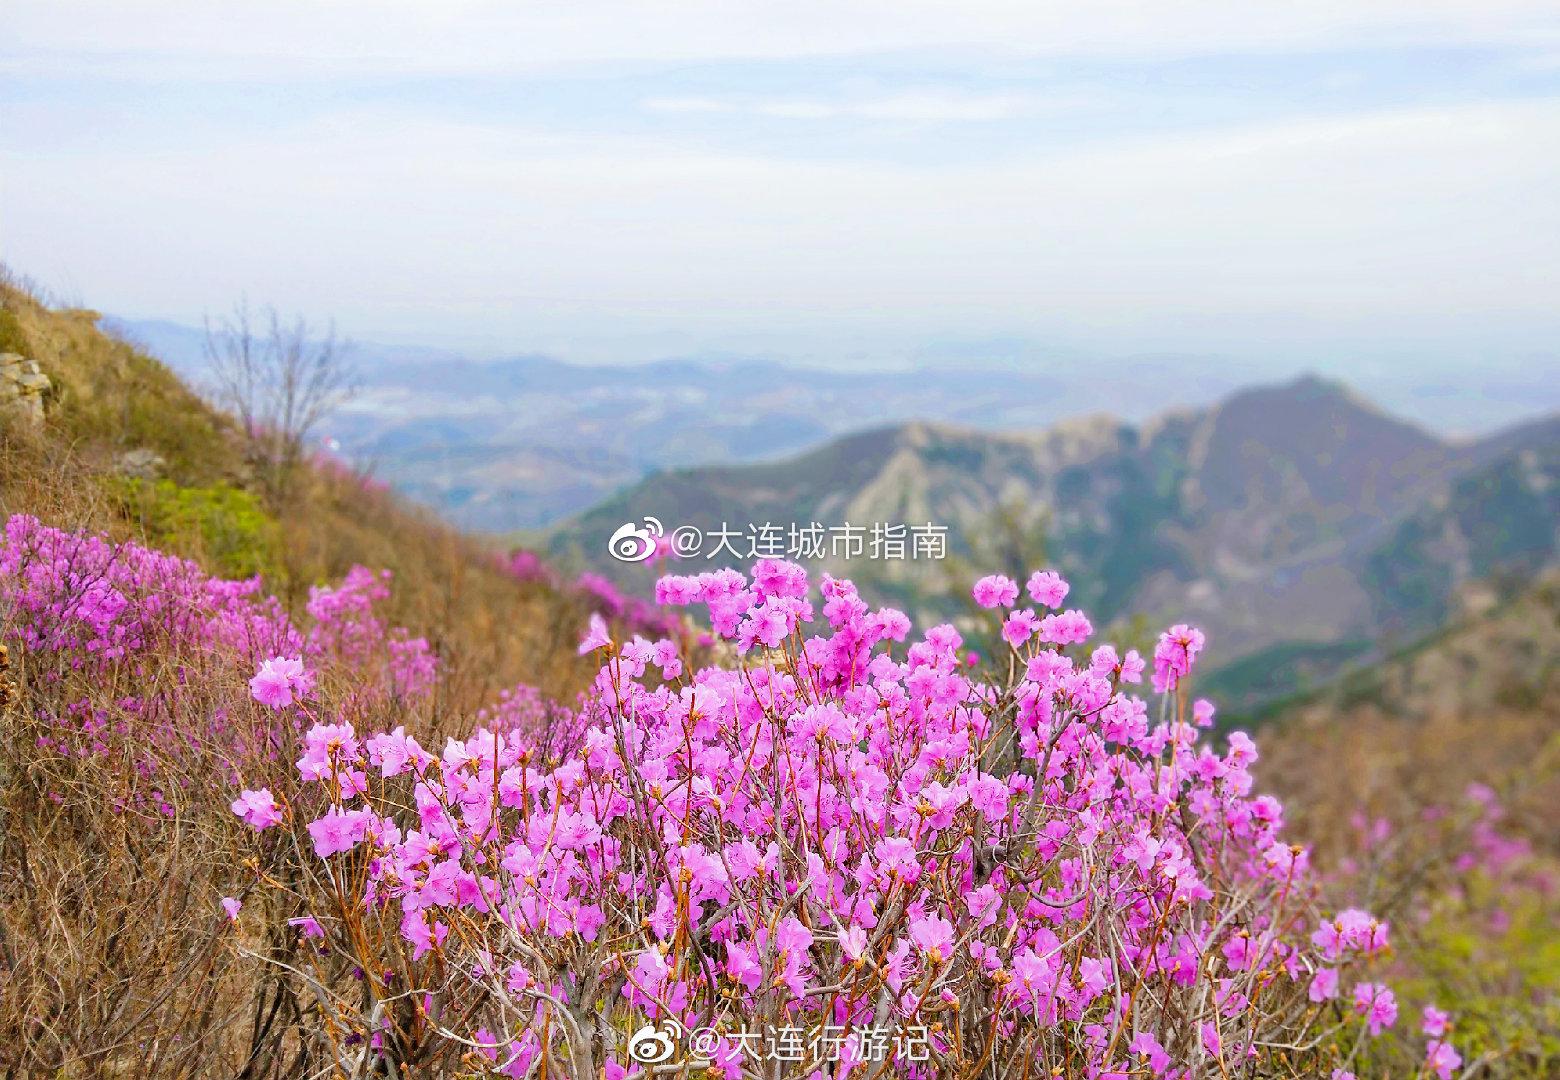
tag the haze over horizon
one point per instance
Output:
(396, 382)
(1365, 188)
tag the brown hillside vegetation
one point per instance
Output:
(1478, 704)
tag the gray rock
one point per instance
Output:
(22, 387)
(140, 463)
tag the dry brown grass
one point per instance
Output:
(1398, 751)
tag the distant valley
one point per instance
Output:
(524, 442)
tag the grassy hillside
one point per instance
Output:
(1477, 701)
(116, 836)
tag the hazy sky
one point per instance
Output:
(1338, 183)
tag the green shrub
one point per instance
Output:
(1489, 956)
(223, 526)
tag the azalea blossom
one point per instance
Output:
(995, 591)
(280, 681)
(1377, 1004)
(258, 808)
(596, 637)
(1047, 588)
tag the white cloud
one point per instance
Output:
(397, 219)
(234, 39)
(689, 105)
(1390, 220)
(910, 106)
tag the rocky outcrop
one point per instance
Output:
(22, 387)
(140, 464)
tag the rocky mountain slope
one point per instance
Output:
(1294, 521)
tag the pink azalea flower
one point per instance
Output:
(853, 942)
(258, 809)
(995, 591)
(280, 681)
(1047, 588)
(424, 938)
(394, 752)
(1147, 1046)
(339, 830)
(1071, 627)
(327, 747)
(596, 637)
(1324, 985)
(1441, 1058)
(308, 926)
(933, 936)
(1377, 1005)
(742, 964)
(1020, 627)
(232, 907)
(1174, 656)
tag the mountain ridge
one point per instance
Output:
(1294, 515)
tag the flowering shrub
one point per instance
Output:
(100, 602)
(850, 855)
(101, 608)
(852, 852)
(126, 730)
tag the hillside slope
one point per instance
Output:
(127, 449)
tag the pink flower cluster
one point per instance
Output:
(853, 829)
(280, 681)
(346, 627)
(94, 608)
(848, 831)
(101, 602)
(597, 592)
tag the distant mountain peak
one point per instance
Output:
(1311, 391)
